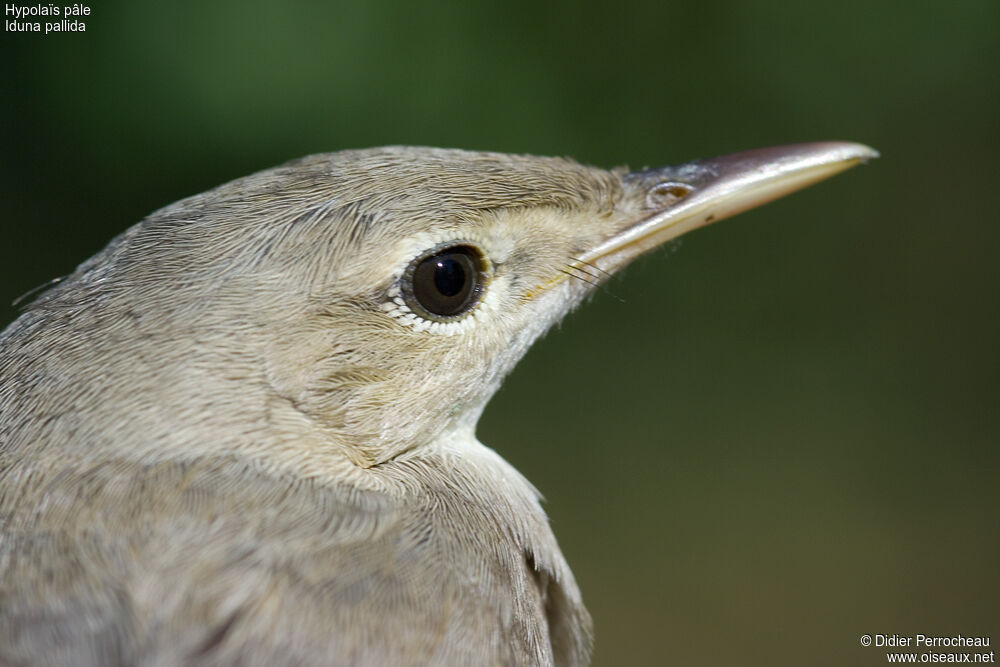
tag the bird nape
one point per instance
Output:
(244, 432)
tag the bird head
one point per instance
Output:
(380, 296)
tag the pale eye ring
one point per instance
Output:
(446, 282)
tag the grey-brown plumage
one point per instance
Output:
(235, 436)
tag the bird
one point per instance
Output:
(244, 433)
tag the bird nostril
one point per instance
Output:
(666, 194)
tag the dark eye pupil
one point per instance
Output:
(447, 283)
(449, 276)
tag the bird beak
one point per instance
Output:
(676, 200)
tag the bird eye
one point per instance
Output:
(446, 283)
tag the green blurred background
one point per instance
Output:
(774, 436)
